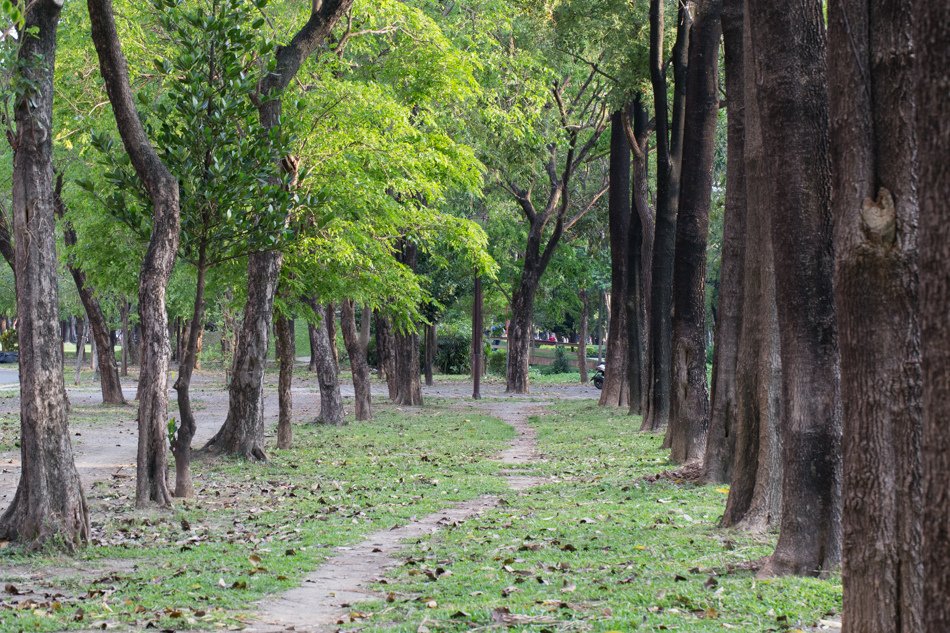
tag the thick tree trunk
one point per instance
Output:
(242, 433)
(788, 44)
(152, 458)
(640, 264)
(755, 493)
(284, 339)
(477, 344)
(669, 139)
(109, 381)
(430, 350)
(385, 354)
(330, 311)
(932, 32)
(126, 338)
(616, 390)
(689, 405)
(405, 347)
(49, 507)
(519, 332)
(874, 201)
(582, 339)
(187, 425)
(721, 439)
(359, 368)
(331, 402)
(365, 320)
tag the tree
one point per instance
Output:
(242, 433)
(49, 506)
(331, 403)
(359, 367)
(616, 389)
(874, 201)
(669, 143)
(788, 45)
(162, 188)
(721, 438)
(689, 408)
(284, 338)
(108, 369)
(931, 55)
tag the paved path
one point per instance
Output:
(318, 604)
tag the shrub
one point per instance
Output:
(560, 364)
(453, 354)
(9, 341)
(498, 362)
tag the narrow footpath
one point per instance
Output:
(327, 594)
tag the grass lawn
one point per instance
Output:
(603, 548)
(253, 529)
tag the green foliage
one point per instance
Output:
(560, 364)
(454, 354)
(9, 341)
(498, 362)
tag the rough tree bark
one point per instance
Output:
(616, 390)
(328, 377)
(874, 201)
(152, 458)
(243, 431)
(669, 142)
(109, 381)
(721, 438)
(404, 345)
(689, 395)
(932, 32)
(788, 54)
(312, 335)
(384, 353)
(477, 344)
(755, 493)
(640, 253)
(49, 507)
(284, 340)
(187, 425)
(359, 368)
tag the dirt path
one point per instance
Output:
(324, 598)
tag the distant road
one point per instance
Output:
(9, 376)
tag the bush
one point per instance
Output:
(453, 354)
(498, 362)
(9, 341)
(560, 364)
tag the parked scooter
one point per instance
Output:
(598, 378)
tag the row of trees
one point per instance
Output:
(828, 376)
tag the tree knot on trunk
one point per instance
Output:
(879, 218)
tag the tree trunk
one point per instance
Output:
(181, 445)
(721, 439)
(669, 139)
(331, 402)
(385, 354)
(755, 493)
(80, 351)
(109, 381)
(689, 405)
(477, 344)
(331, 333)
(243, 431)
(365, 319)
(152, 458)
(616, 390)
(788, 44)
(286, 348)
(640, 255)
(874, 201)
(430, 349)
(126, 338)
(49, 507)
(519, 331)
(405, 347)
(359, 368)
(582, 339)
(312, 334)
(931, 26)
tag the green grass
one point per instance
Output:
(602, 549)
(9, 432)
(255, 529)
